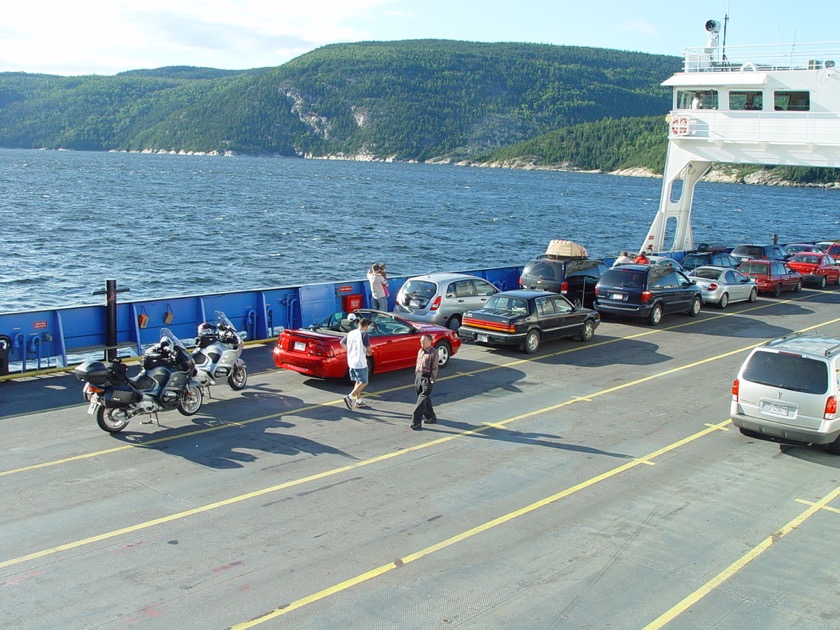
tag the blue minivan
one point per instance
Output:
(646, 291)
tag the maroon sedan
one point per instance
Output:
(816, 268)
(317, 350)
(772, 276)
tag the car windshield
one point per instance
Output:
(695, 260)
(630, 279)
(753, 251)
(754, 267)
(709, 274)
(788, 371)
(507, 304)
(420, 288)
(544, 270)
(805, 258)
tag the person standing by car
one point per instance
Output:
(641, 259)
(425, 374)
(357, 346)
(378, 289)
(624, 259)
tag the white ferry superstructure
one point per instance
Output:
(768, 105)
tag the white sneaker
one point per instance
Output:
(361, 403)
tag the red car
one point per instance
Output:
(317, 351)
(819, 269)
(833, 250)
(772, 276)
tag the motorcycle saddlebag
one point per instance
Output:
(93, 372)
(117, 397)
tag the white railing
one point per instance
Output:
(806, 56)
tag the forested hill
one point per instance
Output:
(408, 100)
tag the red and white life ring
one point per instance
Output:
(680, 125)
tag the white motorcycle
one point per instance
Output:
(218, 354)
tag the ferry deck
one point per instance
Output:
(591, 485)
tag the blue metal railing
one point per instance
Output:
(61, 337)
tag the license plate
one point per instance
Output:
(776, 409)
(300, 346)
(92, 407)
(617, 296)
(481, 338)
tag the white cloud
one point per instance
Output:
(640, 26)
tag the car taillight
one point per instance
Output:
(735, 387)
(436, 304)
(321, 351)
(521, 281)
(712, 287)
(830, 408)
(597, 290)
(564, 287)
(646, 295)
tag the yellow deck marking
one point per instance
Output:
(417, 555)
(825, 507)
(742, 562)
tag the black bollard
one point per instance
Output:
(110, 317)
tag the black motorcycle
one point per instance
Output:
(166, 382)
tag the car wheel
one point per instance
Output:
(532, 341)
(577, 302)
(777, 290)
(655, 315)
(834, 447)
(444, 352)
(724, 300)
(753, 295)
(454, 322)
(798, 287)
(821, 284)
(586, 331)
(696, 304)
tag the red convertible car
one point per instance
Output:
(317, 351)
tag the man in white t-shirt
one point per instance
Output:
(357, 346)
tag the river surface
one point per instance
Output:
(165, 225)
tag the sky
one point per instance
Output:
(105, 37)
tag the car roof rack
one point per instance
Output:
(779, 340)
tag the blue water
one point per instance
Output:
(167, 225)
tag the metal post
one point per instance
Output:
(110, 317)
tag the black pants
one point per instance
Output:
(423, 408)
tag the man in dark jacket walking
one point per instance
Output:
(425, 373)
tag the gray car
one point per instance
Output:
(722, 285)
(787, 390)
(442, 298)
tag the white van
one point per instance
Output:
(787, 391)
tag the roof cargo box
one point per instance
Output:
(565, 249)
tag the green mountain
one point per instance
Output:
(409, 100)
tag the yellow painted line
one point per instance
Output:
(479, 529)
(742, 562)
(825, 507)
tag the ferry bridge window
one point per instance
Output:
(792, 101)
(697, 99)
(751, 100)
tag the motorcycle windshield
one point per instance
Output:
(222, 320)
(166, 333)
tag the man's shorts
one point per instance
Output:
(359, 375)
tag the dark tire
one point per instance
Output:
(532, 341)
(586, 331)
(454, 322)
(834, 447)
(696, 305)
(444, 353)
(777, 290)
(112, 420)
(724, 301)
(190, 400)
(655, 315)
(577, 302)
(238, 377)
(821, 283)
(753, 295)
(798, 287)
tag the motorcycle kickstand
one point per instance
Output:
(207, 391)
(151, 416)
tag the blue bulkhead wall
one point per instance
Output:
(41, 339)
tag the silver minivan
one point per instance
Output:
(787, 391)
(442, 298)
